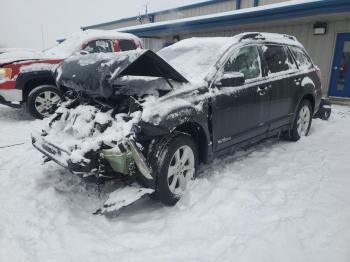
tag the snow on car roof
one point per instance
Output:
(196, 57)
(74, 42)
(66, 48)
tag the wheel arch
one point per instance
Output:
(28, 81)
(311, 99)
(197, 132)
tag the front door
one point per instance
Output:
(340, 78)
(240, 112)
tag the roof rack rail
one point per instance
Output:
(290, 37)
(252, 36)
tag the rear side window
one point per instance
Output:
(99, 46)
(278, 59)
(126, 45)
(247, 62)
(301, 58)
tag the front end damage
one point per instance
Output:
(129, 167)
(103, 165)
(93, 133)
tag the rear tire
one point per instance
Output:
(41, 99)
(174, 160)
(302, 122)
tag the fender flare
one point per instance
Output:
(185, 119)
(29, 80)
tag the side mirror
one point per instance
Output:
(231, 79)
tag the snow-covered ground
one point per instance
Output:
(277, 201)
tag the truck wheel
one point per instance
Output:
(41, 99)
(174, 160)
(302, 122)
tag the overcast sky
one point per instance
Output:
(22, 21)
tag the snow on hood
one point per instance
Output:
(195, 58)
(15, 56)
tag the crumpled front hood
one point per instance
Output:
(96, 74)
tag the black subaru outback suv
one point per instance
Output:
(154, 118)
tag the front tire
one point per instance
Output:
(174, 160)
(302, 122)
(41, 99)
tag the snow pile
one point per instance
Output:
(277, 201)
(84, 128)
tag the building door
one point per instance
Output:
(340, 78)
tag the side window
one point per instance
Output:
(277, 58)
(302, 60)
(126, 45)
(247, 62)
(99, 46)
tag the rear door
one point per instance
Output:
(281, 73)
(240, 113)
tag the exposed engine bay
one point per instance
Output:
(92, 132)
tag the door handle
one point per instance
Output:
(297, 81)
(262, 90)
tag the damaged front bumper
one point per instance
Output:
(59, 155)
(121, 163)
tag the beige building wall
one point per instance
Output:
(211, 8)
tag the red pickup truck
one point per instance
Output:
(26, 75)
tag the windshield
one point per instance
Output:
(66, 48)
(194, 58)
